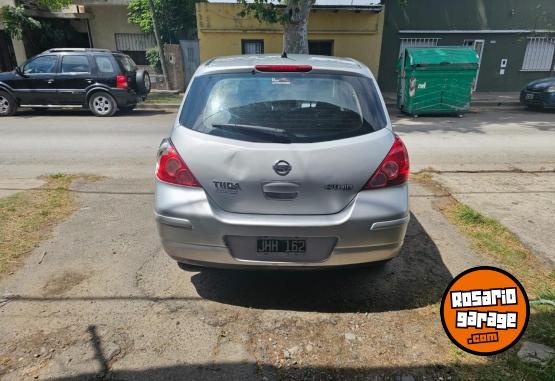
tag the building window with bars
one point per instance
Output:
(320, 47)
(252, 46)
(417, 43)
(135, 45)
(539, 54)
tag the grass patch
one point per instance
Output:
(489, 235)
(491, 238)
(173, 99)
(27, 218)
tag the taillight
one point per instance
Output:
(121, 81)
(284, 68)
(172, 169)
(393, 170)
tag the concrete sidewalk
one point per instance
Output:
(486, 99)
(11, 186)
(521, 201)
(107, 303)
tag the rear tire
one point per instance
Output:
(8, 105)
(142, 79)
(102, 104)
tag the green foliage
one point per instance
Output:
(264, 11)
(55, 5)
(176, 18)
(138, 13)
(153, 58)
(16, 22)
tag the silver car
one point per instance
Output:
(282, 162)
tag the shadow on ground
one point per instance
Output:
(28, 113)
(252, 371)
(416, 278)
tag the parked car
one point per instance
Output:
(282, 162)
(101, 80)
(540, 93)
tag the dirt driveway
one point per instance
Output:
(107, 303)
(100, 299)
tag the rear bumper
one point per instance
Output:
(193, 230)
(126, 97)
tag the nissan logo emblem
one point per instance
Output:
(282, 167)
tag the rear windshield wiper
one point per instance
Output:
(271, 132)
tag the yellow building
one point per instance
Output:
(345, 28)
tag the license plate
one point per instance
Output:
(280, 245)
(529, 96)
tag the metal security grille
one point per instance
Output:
(539, 54)
(252, 46)
(134, 41)
(417, 43)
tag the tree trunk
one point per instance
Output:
(295, 27)
(159, 44)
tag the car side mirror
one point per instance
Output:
(20, 72)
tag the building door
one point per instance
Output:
(477, 45)
(191, 58)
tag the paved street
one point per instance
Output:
(33, 144)
(107, 300)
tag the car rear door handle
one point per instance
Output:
(278, 190)
(50, 81)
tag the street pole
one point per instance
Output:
(159, 43)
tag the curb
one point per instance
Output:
(158, 107)
(480, 105)
(474, 104)
(389, 104)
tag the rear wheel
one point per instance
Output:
(8, 105)
(143, 82)
(102, 104)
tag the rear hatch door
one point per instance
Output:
(241, 176)
(282, 143)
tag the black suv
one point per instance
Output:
(101, 80)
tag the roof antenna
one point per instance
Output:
(284, 54)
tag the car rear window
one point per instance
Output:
(104, 64)
(75, 64)
(127, 63)
(283, 107)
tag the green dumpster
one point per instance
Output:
(436, 80)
